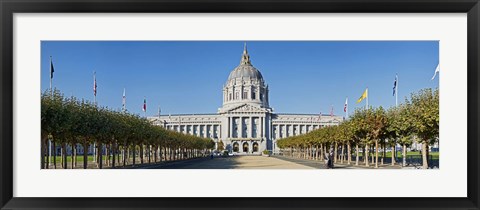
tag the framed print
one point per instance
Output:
(239, 105)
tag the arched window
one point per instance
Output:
(230, 97)
(245, 95)
(237, 95)
(253, 95)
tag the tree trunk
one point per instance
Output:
(64, 148)
(384, 151)
(321, 152)
(372, 155)
(141, 153)
(62, 152)
(424, 154)
(394, 152)
(335, 153)
(100, 156)
(72, 156)
(114, 153)
(343, 152)
(149, 147)
(134, 153)
(48, 152)
(376, 153)
(107, 154)
(366, 155)
(124, 156)
(118, 154)
(349, 155)
(43, 152)
(404, 155)
(54, 155)
(357, 151)
(85, 153)
(75, 148)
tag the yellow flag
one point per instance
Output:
(364, 95)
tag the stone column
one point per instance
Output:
(277, 134)
(240, 127)
(230, 132)
(205, 131)
(262, 129)
(250, 126)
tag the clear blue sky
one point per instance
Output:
(186, 77)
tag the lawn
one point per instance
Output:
(79, 159)
(435, 155)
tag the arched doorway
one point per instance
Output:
(235, 147)
(255, 147)
(245, 147)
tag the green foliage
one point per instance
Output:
(418, 116)
(220, 145)
(70, 120)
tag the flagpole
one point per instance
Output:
(396, 90)
(124, 101)
(51, 90)
(95, 103)
(94, 88)
(51, 94)
(346, 109)
(366, 105)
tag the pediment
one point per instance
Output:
(246, 108)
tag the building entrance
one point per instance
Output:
(245, 147)
(255, 147)
(235, 147)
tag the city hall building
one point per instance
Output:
(245, 124)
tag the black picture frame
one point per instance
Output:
(10, 7)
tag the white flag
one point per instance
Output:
(437, 70)
(124, 99)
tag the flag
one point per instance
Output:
(144, 104)
(94, 84)
(364, 95)
(395, 85)
(346, 105)
(124, 100)
(320, 116)
(51, 68)
(437, 70)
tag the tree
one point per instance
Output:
(399, 129)
(220, 146)
(423, 115)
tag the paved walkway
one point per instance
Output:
(236, 162)
(321, 164)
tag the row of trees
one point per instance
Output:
(120, 136)
(371, 128)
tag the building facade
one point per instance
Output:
(245, 124)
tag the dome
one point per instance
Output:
(245, 69)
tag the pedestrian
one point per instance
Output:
(330, 158)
